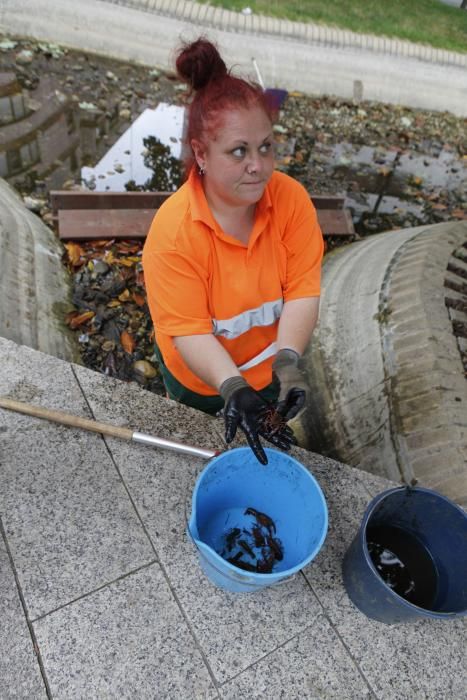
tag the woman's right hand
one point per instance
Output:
(245, 408)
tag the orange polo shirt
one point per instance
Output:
(201, 280)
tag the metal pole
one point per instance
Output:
(145, 439)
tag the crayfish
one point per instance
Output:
(273, 422)
(256, 549)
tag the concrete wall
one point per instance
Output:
(308, 58)
(389, 393)
(35, 288)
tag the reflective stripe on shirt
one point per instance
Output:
(267, 352)
(264, 315)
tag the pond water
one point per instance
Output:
(65, 116)
(124, 161)
(393, 182)
(445, 170)
(48, 139)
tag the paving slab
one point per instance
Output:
(159, 482)
(421, 661)
(312, 665)
(140, 619)
(69, 521)
(233, 630)
(128, 640)
(20, 674)
(346, 498)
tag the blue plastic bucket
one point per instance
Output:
(283, 489)
(408, 560)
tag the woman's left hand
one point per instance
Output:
(294, 388)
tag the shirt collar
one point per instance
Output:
(199, 206)
(198, 203)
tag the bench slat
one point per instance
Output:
(64, 199)
(86, 215)
(70, 199)
(88, 224)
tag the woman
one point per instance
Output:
(232, 261)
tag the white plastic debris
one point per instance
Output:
(88, 106)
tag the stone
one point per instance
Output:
(24, 58)
(33, 204)
(145, 368)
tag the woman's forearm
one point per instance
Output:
(206, 358)
(297, 322)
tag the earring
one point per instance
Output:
(201, 169)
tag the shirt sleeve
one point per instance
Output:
(304, 245)
(177, 293)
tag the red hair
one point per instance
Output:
(215, 90)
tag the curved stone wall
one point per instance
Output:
(389, 389)
(35, 289)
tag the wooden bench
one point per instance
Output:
(101, 215)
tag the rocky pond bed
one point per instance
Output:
(397, 167)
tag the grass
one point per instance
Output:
(421, 21)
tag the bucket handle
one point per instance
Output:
(283, 580)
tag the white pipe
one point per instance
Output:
(258, 74)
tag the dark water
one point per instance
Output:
(404, 564)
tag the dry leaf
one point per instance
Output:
(103, 243)
(125, 247)
(125, 295)
(74, 321)
(128, 342)
(139, 299)
(74, 252)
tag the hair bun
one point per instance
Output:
(199, 63)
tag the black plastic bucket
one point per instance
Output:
(408, 559)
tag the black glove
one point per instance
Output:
(293, 385)
(244, 407)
